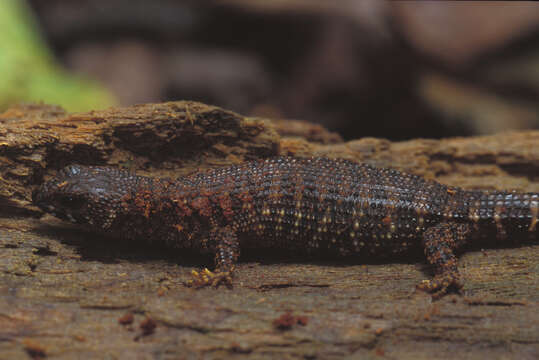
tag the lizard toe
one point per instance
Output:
(441, 285)
(206, 278)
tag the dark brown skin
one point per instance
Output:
(301, 205)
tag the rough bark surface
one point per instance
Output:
(67, 293)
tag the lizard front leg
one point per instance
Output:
(224, 241)
(440, 242)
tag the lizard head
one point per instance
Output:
(84, 195)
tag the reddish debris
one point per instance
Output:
(286, 321)
(127, 319)
(148, 326)
(35, 351)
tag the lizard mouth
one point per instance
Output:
(41, 200)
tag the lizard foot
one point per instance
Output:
(441, 285)
(209, 278)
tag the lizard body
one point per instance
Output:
(302, 205)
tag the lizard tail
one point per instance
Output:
(509, 212)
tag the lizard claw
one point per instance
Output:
(209, 278)
(441, 285)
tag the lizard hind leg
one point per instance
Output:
(440, 242)
(225, 243)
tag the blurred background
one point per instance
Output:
(397, 70)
